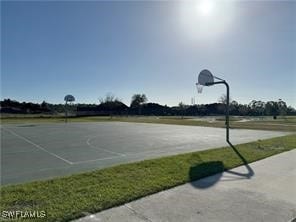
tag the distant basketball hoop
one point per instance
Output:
(68, 99)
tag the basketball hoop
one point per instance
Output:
(199, 88)
(68, 99)
(206, 78)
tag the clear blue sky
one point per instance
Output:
(87, 49)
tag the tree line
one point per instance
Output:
(110, 105)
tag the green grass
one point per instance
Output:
(288, 124)
(70, 197)
(282, 124)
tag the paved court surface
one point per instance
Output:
(39, 151)
(269, 195)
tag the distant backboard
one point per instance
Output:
(69, 98)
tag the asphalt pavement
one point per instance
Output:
(42, 151)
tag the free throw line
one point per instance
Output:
(37, 146)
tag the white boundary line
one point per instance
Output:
(29, 151)
(106, 158)
(37, 146)
(133, 154)
(98, 148)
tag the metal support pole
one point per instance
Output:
(227, 112)
(66, 112)
(227, 105)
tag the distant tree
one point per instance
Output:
(44, 107)
(223, 99)
(282, 107)
(110, 97)
(243, 110)
(6, 103)
(272, 109)
(233, 107)
(154, 109)
(112, 108)
(192, 110)
(221, 108)
(257, 107)
(137, 101)
(111, 105)
(202, 110)
(182, 108)
(43, 104)
(291, 110)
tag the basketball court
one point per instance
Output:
(41, 151)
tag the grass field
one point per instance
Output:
(264, 123)
(74, 196)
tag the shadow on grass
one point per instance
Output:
(250, 171)
(214, 169)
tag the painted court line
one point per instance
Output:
(37, 146)
(108, 151)
(132, 154)
(89, 161)
(29, 151)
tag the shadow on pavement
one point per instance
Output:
(217, 168)
(206, 169)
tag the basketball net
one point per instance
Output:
(199, 88)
